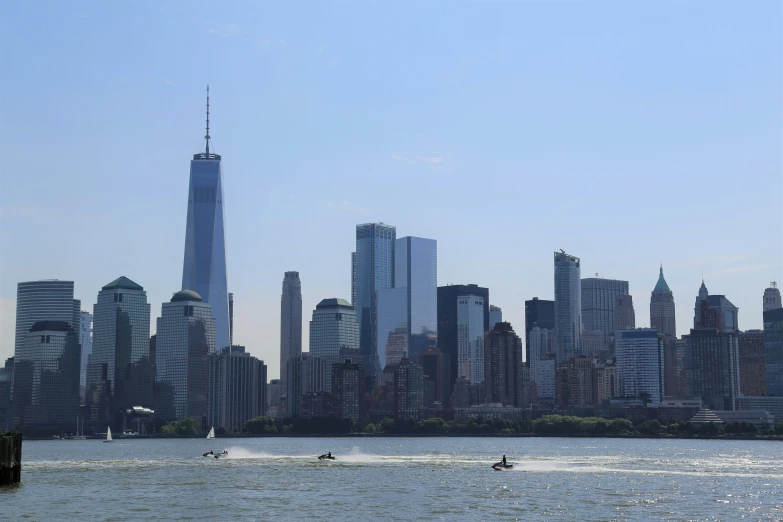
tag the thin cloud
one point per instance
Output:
(402, 158)
(225, 30)
(737, 269)
(169, 82)
(347, 206)
(435, 162)
(432, 160)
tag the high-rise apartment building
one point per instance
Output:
(541, 313)
(599, 302)
(576, 383)
(712, 367)
(305, 374)
(237, 389)
(374, 272)
(408, 390)
(470, 337)
(568, 306)
(290, 320)
(204, 265)
(752, 370)
(539, 346)
(594, 344)
(495, 316)
(624, 315)
(773, 351)
(718, 312)
(435, 366)
(347, 389)
(46, 379)
(119, 374)
(772, 297)
(662, 308)
(185, 339)
(448, 324)
(353, 279)
(85, 336)
(333, 328)
(45, 300)
(503, 366)
(639, 361)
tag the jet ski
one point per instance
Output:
(326, 456)
(498, 466)
(220, 455)
(210, 453)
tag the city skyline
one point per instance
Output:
(266, 187)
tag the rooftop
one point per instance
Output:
(333, 302)
(124, 283)
(661, 287)
(185, 295)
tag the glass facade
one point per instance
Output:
(568, 307)
(374, 272)
(639, 360)
(541, 313)
(204, 266)
(47, 300)
(712, 367)
(447, 321)
(470, 337)
(416, 270)
(333, 328)
(599, 302)
(290, 320)
(773, 351)
(495, 316)
(119, 374)
(393, 329)
(85, 325)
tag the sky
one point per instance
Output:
(629, 134)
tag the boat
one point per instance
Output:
(211, 434)
(210, 453)
(326, 456)
(108, 435)
(79, 430)
(221, 455)
(500, 467)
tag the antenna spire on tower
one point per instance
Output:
(207, 136)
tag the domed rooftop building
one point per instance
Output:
(186, 295)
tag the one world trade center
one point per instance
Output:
(204, 268)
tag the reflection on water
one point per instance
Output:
(424, 478)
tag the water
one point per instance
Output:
(398, 478)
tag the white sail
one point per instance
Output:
(108, 434)
(211, 434)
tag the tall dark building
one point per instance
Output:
(237, 389)
(435, 365)
(503, 366)
(712, 367)
(408, 390)
(773, 351)
(752, 370)
(541, 313)
(447, 320)
(347, 389)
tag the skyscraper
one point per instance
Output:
(204, 266)
(237, 389)
(541, 313)
(408, 390)
(772, 297)
(435, 365)
(495, 316)
(231, 318)
(46, 300)
(392, 326)
(712, 367)
(353, 279)
(568, 306)
(416, 270)
(718, 312)
(470, 337)
(773, 351)
(332, 328)
(703, 293)
(599, 300)
(347, 389)
(374, 271)
(503, 366)
(624, 315)
(639, 356)
(119, 374)
(85, 325)
(752, 370)
(662, 308)
(447, 321)
(290, 320)
(305, 374)
(185, 339)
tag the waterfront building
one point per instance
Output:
(711, 365)
(662, 308)
(503, 366)
(639, 361)
(374, 272)
(448, 298)
(290, 319)
(541, 313)
(435, 367)
(599, 303)
(237, 389)
(85, 337)
(46, 379)
(470, 337)
(6, 406)
(332, 328)
(204, 265)
(752, 370)
(347, 385)
(305, 373)
(408, 390)
(45, 300)
(624, 315)
(772, 297)
(119, 373)
(568, 306)
(495, 316)
(773, 351)
(576, 383)
(185, 340)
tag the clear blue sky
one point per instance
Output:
(627, 133)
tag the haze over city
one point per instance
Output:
(629, 135)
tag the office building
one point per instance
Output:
(662, 308)
(576, 383)
(119, 373)
(185, 340)
(639, 362)
(568, 306)
(392, 326)
(353, 279)
(703, 293)
(495, 316)
(543, 375)
(773, 351)
(718, 312)
(435, 366)
(347, 385)
(594, 344)
(231, 318)
(305, 374)
(541, 313)
(606, 377)
(539, 346)
(624, 315)
(408, 390)
(503, 366)
(45, 300)
(237, 389)
(712, 367)
(6, 406)
(290, 319)
(772, 297)
(333, 328)
(470, 337)
(374, 272)
(85, 336)
(752, 369)
(599, 302)
(46, 379)
(447, 321)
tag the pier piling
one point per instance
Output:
(10, 458)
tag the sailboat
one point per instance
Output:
(211, 434)
(108, 435)
(79, 430)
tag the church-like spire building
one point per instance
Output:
(703, 294)
(662, 308)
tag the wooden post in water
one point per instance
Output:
(10, 458)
